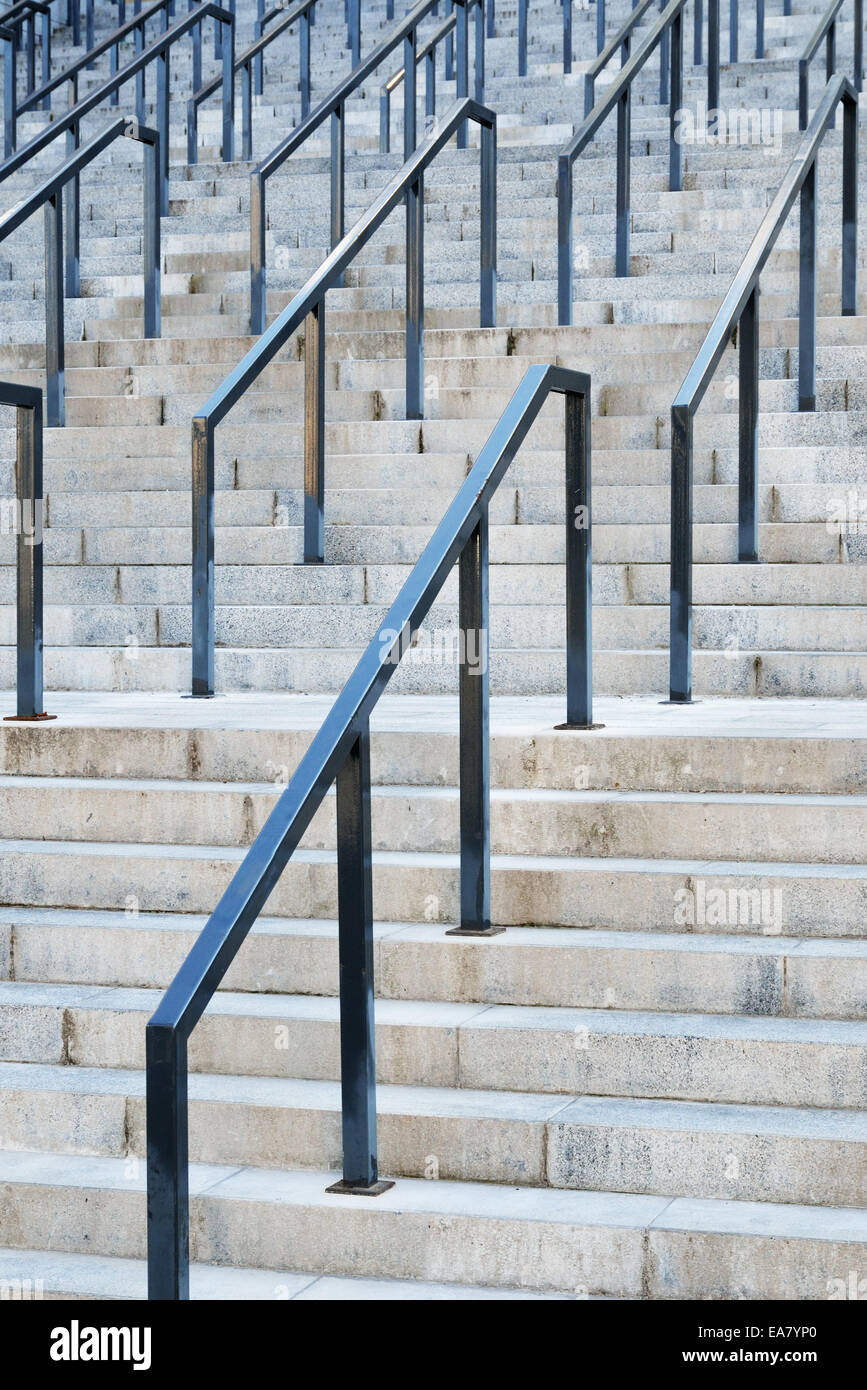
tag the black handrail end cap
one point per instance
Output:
(26, 718)
(475, 931)
(583, 728)
(351, 1189)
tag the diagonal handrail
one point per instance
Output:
(340, 752)
(308, 309)
(740, 310)
(334, 106)
(827, 29)
(49, 195)
(427, 55)
(159, 51)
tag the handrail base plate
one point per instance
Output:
(475, 931)
(348, 1189)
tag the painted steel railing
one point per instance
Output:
(308, 309)
(622, 40)
(427, 55)
(19, 24)
(740, 311)
(619, 94)
(334, 106)
(49, 195)
(827, 29)
(340, 753)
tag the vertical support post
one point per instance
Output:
(450, 43)
(830, 51)
(355, 31)
(314, 435)
(196, 39)
(46, 58)
(712, 56)
(113, 60)
(54, 345)
(488, 231)
(803, 93)
(522, 38)
(203, 557)
(10, 94)
(733, 31)
(28, 488)
(697, 34)
(258, 65)
(462, 75)
(192, 131)
(807, 295)
(167, 1165)
(247, 111)
(680, 603)
(849, 288)
(475, 735)
(675, 149)
(664, 52)
(624, 124)
(257, 253)
(409, 95)
(338, 182)
(600, 25)
(479, 54)
(304, 63)
(227, 149)
(72, 196)
(29, 29)
(415, 300)
(564, 240)
(162, 123)
(140, 111)
(75, 7)
(858, 66)
(384, 120)
(567, 35)
(579, 565)
(88, 27)
(491, 19)
(589, 92)
(748, 429)
(430, 85)
(355, 933)
(760, 28)
(152, 293)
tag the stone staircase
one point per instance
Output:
(652, 1084)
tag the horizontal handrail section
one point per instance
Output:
(248, 64)
(740, 311)
(340, 753)
(427, 55)
(619, 94)
(49, 195)
(27, 525)
(308, 308)
(827, 29)
(158, 51)
(334, 106)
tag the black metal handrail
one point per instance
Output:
(48, 195)
(23, 16)
(27, 526)
(427, 55)
(340, 752)
(622, 40)
(247, 64)
(308, 308)
(523, 24)
(619, 94)
(827, 29)
(158, 51)
(740, 310)
(334, 105)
